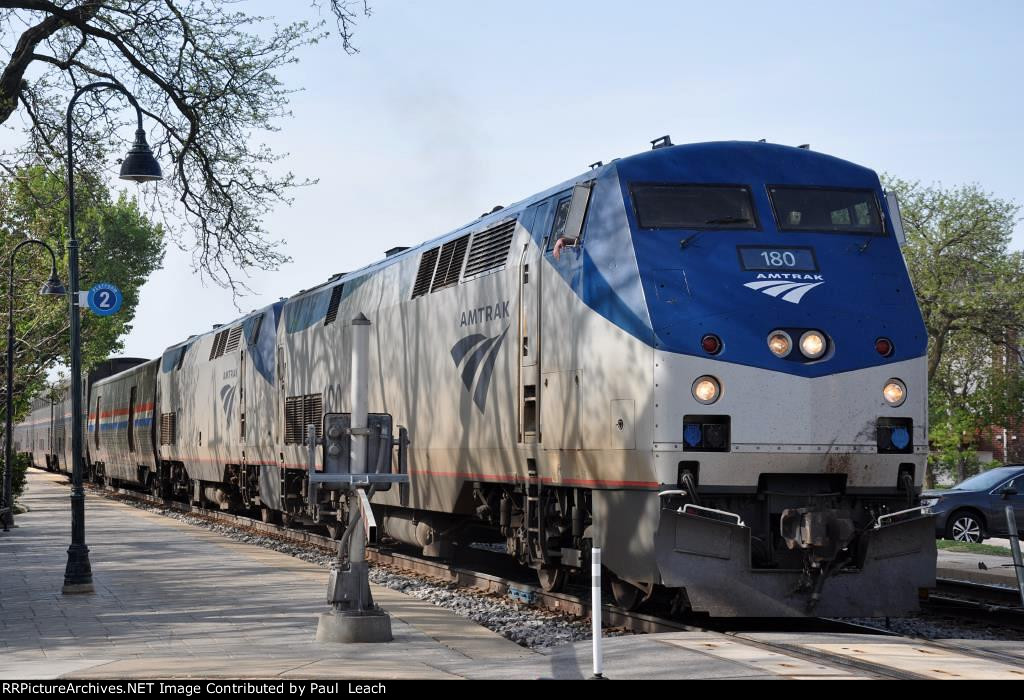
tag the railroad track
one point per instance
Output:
(504, 580)
(980, 592)
(746, 632)
(980, 602)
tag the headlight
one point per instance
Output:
(812, 345)
(706, 389)
(780, 343)
(929, 502)
(894, 392)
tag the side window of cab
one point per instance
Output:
(558, 223)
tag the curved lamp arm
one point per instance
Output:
(52, 284)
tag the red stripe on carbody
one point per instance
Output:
(123, 411)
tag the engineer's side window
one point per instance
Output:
(561, 216)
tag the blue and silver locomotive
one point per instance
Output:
(706, 359)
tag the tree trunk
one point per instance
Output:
(937, 346)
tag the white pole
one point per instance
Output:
(360, 369)
(595, 609)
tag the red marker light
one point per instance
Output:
(883, 346)
(711, 344)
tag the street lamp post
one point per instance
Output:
(138, 166)
(53, 287)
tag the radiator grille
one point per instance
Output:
(428, 261)
(490, 248)
(449, 264)
(300, 411)
(234, 336)
(225, 341)
(332, 308)
(168, 428)
(219, 340)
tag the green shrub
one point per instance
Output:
(21, 464)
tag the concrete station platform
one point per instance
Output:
(177, 601)
(173, 600)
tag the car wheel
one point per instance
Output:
(965, 526)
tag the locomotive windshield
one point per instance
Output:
(694, 206)
(819, 209)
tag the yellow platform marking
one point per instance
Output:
(926, 660)
(762, 659)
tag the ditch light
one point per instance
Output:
(706, 433)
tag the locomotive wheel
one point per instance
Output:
(552, 578)
(627, 596)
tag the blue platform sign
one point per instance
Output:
(105, 299)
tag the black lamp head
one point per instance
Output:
(53, 286)
(140, 165)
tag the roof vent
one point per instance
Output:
(395, 251)
(661, 142)
(596, 164)
(805, 146)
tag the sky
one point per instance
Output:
(452, 107)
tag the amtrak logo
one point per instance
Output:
(227, 397)
(785, 285)
(476, 354)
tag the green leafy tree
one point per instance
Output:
(965, 275)
(205, 72)
(977, 386)
(970, 286)
(119, 244)
(951, 450)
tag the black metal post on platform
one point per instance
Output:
(138, 166)
(53, 287)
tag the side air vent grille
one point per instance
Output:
(490, 248)
(449, 265)
(300, 411)
(428, 261)
(168, 428)
(225, 341)
(234, 336)
(332, 308)
(219, 340)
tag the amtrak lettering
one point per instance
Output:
(484, 314)
(479, 353)
(787, 286)
(789, 276)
